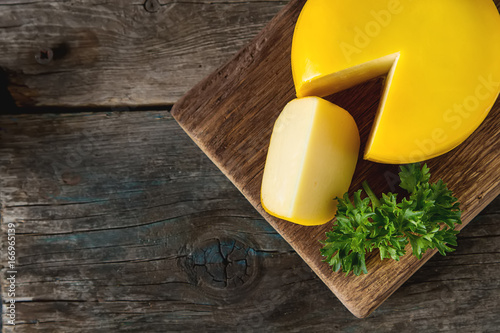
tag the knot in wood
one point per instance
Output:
(223, 263)
(152, 6)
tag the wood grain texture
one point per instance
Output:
(123, 224)
(116, 52)
(230, 116)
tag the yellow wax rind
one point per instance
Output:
(312, 156)
(441, 58)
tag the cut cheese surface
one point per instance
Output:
(441, 57)
(311, 160)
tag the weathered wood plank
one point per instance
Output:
(231, 114)
(118, 52)
(124, 224)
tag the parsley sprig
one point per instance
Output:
(426, 220)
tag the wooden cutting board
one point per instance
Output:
(230, 116)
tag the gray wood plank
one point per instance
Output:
(122, 223)
(119, 52)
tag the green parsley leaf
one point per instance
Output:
(426, 220)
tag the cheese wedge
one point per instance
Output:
(441, 57)
(311, 160)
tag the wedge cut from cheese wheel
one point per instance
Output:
(441, 57)
(311, 160)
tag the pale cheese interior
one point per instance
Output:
(311, 160)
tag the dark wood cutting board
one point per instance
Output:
(231, 113)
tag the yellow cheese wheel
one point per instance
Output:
(441, 57)
(311, 160)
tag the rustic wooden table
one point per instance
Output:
(122, 223)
